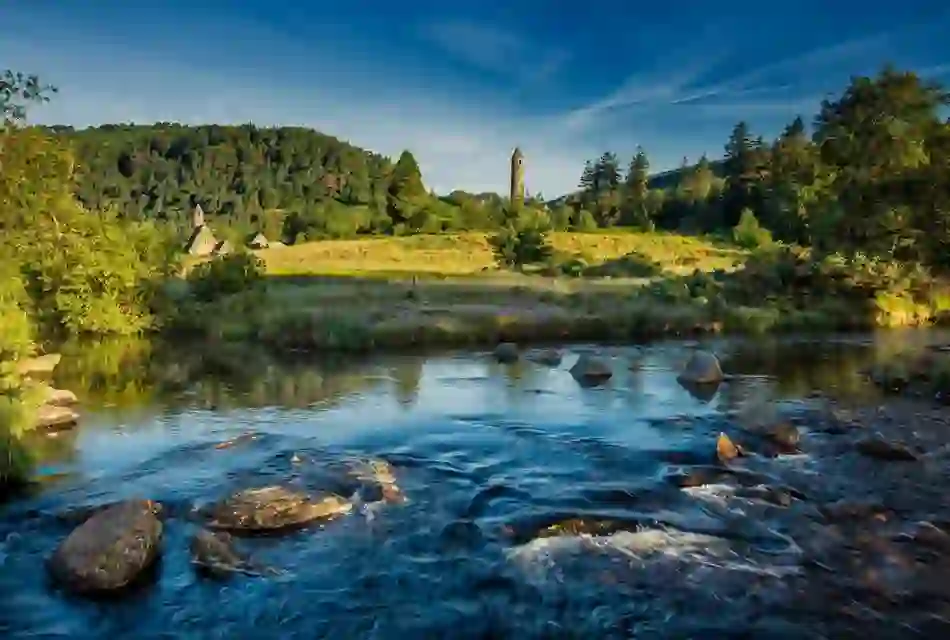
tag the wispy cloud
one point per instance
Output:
(496, 50)
(935, 71)
(781, 86)
(661, 86)
(391, 96)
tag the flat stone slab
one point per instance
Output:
(39, 365)
(51, 416)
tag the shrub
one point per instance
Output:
(585, 222)
(83, 271)
(632, 265)
(225, 275)
(517, 246)
(748, 233)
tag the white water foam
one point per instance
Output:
(701, 552)
(719, 494)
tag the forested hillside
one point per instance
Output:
(292, 182)
(870, 171)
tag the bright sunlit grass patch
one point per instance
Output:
(468, 254)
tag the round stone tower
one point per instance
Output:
(517, 178)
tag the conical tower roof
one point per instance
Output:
(198, 217)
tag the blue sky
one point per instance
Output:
(461, 83)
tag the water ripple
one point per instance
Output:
(488, 457)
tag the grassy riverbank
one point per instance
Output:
(444, 291)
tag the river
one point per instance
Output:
(487, 455)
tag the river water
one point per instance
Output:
(487, 455)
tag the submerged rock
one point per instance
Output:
(274, 508)
(700, 475)
(780, 438)
(927, 534)
(784, 435)
(549, 357)
(704, 392)
(850, 511)
(213, 553)
(378, 480)
(702, 368)
(584, 526)
(507, 352)
(591, 370)
(110, 549)
(244, 437)
(779, 496)
(875, 447)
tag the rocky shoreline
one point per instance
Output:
(57, 408)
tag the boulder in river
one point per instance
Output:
(780, 437)
(55, 397)
(377, 479)
(213, 553)
(779, 496)
(704, 392)
(927, 534)
(506, 352)
(875, 447)
(274, 508)
(110, 550)
(850, 511)
(784, 435)
(584, 526)
(549, 357)
(702, 368)
(244, 437)
(590, 370)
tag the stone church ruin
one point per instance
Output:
(203, 242)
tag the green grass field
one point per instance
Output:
(469, 254)
(445, 290)
(339, 292)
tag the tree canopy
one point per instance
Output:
(869, 173)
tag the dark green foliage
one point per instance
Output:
(873, 178)
(294, 183)
(225, 275)
(636, 210)
(235, 172)
(17, 92)
(519, 244)
(584, 222)
(748, 233)
(632, 265)
(65, 270)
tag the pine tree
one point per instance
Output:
(744, 171)
(636, 186)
